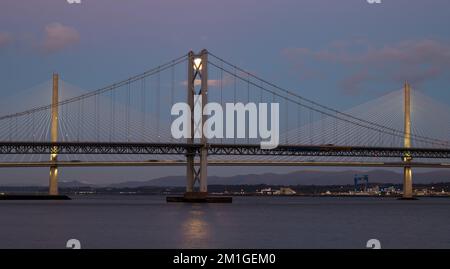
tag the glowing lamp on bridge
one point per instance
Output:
(198, 64)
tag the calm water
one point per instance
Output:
(250, 222)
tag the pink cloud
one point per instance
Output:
(416, 61)
(352, 83)
(226, 81)
(5, 39)
(211, 82)
(58, 37)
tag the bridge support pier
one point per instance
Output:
(197, 70)
(407, 170)
(190, 171)
(53, 181)
(407, 183)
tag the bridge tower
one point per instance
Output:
(197, 70)
(53, 181)
(407, 171)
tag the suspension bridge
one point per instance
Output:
(128, 124)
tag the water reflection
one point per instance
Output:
(195, 229)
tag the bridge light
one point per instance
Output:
(198, 64)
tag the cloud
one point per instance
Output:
(58, 37)
(226, 81)
(351, 85)
(416, 61)
(5, 39)
(211, 82)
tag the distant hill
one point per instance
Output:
(308, 177)
(74, 184)
(303, 177)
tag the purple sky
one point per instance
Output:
(346, 49)
(340, 53)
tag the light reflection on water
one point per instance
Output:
(249, 222)
(194, 228)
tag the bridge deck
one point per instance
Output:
(220, 163)
(218, 149)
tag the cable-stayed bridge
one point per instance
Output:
(128, 123)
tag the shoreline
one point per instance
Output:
(226, 195)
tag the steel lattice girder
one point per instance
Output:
(217, 149)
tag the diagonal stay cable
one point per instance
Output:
(387, 130)
(101, 90)
(399, 132)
